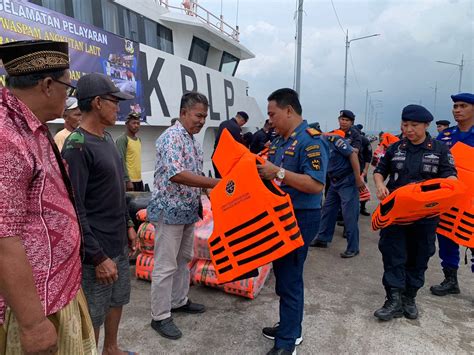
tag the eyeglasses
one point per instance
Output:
(116, 102)
(71, 90)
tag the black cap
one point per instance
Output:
(347, 114)
(359, 126)
(31, 57)
(443, 122)
(416, 113)
(244, 115)
(96, 84)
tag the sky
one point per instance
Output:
(401, 61)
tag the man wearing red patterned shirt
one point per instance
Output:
(40, 237)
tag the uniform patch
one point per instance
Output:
(451, 159)
(430, 158)
(314, 154)
(75, 140)
(289, 152)
(313, 132)
(312, 147)
(271, 152)
(447, 133)
(316, 164)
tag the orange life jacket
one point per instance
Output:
(144, 266)
(457, 224)
(388, 139)
(146, 238)
(254, 221)
(412, 202)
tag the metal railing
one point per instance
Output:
(192, 8)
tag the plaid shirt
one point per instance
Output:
(35, 205)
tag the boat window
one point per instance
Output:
(110, 16)
(83, 11)
(199, 51)
(151, 37)
(130, 22)
(229, 64)
(55, 5)
(165, 39)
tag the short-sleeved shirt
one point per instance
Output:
(304, 152)
(406, 163)
(339, 163)
(234, 129)
(176, 151)
(36, 206)
(60, 137)
(354, 138)
(450, 136)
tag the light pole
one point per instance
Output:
(367, 93)
(435, 97)
(299, 34)
(461, 66)
(348, 43)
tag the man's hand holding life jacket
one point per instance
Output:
(268, 171)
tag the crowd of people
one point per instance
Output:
(66, 233)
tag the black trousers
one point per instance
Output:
(406, 251)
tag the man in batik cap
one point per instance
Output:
(40, 238)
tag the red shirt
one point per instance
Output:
(35, 205)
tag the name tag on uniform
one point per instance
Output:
(314, 154)
(430, 158)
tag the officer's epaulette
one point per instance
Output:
(313, 132)
(75, 140)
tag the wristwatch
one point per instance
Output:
(280, 175)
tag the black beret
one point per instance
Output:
(347, 114)
(464, 97)
(443, 122)
(31, 57)
(416, 113)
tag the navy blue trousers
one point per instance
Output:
(289, 281)
(344, 195)
(406, 251)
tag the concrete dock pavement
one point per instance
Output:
(340, 298)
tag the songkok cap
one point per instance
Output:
(96, 84)
(416, 113)
(244, 115)
(71, 103)
(443, 122)
(464, 97)
(133, 116)
(31, 57)
(347, 114)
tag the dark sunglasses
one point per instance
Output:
(71, 90)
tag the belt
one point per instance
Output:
(335, 179)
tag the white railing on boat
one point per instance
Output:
(192, 8)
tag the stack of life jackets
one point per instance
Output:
(412, 202)
(146, 238)
(254, 220)
(457, 224)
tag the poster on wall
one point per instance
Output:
(91, 49)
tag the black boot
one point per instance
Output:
(449, 285)
(363, 209)
(392, 308)
(408, 303)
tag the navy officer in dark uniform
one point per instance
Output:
(441, 125)
(463, 112)
(297, 159)
(234, 126)
(406, 249)
(345, 183)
